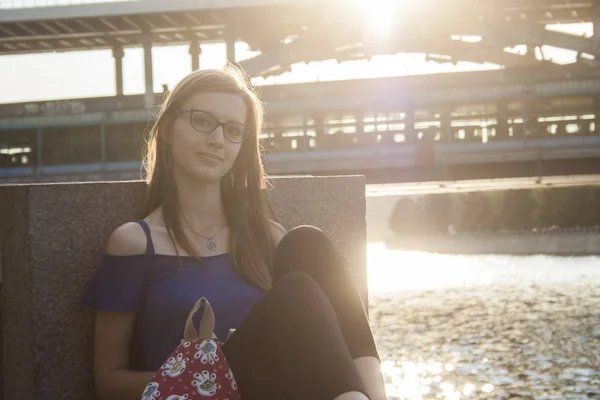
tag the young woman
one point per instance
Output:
(208, 231)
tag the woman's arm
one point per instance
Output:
(114, 381)
(114, 332)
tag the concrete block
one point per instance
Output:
(52, 239)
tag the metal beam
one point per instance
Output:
(281, 56)
(109, 24)
(64, 25)
(86, 25)
(8, 31)
(531, 33)
(27, 29)
(50, 28)
(132, 24)
(304, 49)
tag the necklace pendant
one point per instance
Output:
(211, 244)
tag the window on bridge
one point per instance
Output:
(71, 145)
(125, 142)
(288, 133)
(572, 128)
(18, 148)
(552, 129)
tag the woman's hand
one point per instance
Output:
(369, 369)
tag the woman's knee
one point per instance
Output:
(306, 249)
(302, 235)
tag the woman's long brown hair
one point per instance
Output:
(246, 205)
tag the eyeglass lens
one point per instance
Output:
(206, 123)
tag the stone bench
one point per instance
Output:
(52, 239)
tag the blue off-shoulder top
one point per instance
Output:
(162, 294)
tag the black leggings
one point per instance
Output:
(299, 341)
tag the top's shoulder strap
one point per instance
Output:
(149, 243)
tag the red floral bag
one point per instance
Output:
(197, 369)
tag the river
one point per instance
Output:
(486, 327)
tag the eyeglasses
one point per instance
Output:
(205, 122)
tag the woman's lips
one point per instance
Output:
(211, 157)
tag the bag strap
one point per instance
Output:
(207, 323)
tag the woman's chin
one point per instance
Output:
(201, 173)
(206, 176)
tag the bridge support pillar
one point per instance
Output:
(148, 76)
(596, 116)
(409, 126)
(319, 125)
(103, 144)
(306, 138)
(278, 138)
(118, 55)
(501, 121)
(195, 51)
(531, 55)
(360, 122)
(525, 117)
(531, 127)
(230, 42)
(595, 13)
(39, 138)
(446, 125)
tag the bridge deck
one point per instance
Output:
(106, 25)
(267, 25)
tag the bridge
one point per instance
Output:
(531, 117)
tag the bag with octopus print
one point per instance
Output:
(197, 369)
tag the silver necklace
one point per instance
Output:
(210, 240)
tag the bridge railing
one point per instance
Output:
(109, 143)
(10, 4)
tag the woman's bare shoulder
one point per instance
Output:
(128, 239)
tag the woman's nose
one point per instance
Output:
(217, 137)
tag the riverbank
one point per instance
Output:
(562, 243)
(490, 342)
(497, 211)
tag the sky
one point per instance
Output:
(35, 77)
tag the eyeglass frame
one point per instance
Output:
(191, 111)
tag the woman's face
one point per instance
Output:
(207, 156)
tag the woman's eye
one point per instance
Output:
(200, 121)
(203, 121)
(235, 132)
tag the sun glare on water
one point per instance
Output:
(407, 271)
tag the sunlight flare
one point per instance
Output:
(380, 14)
